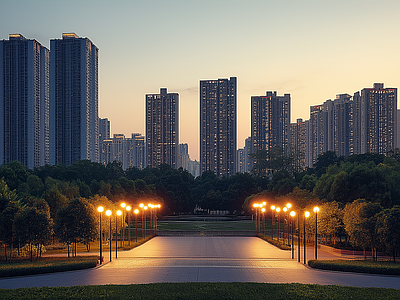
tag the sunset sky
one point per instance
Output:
(311, 49)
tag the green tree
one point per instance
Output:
(77, 223)
(388, 230)
(33, 224)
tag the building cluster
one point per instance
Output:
(364, 122)
(49, 115)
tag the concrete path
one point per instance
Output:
(203, 259)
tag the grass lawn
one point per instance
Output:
(206, 225)
(206, 291)
(360, 266)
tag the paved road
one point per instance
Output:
(203, 259)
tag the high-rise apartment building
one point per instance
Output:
(248, 159)
(270, 122)
(218, 126)
(378, 119)
(162, 128)
(184, 156)
(104, 129)
(24, 101)
(74, 121)
(130, 152)
(298, 144)
(240, 160)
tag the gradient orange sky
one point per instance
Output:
(311, 49)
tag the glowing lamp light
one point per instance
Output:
(128, 208)
(307, 214)
(292, 213)
(273, 207)
(141, 205)
(136, 211)
(285, 209)
(289, 205)
(278, 209)
(119, 212)
(263, 209)
(123, 204)
(316, 209)
(100, 209)
(108, 212)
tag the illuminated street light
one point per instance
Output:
(278, 209)
(292, 214)
(128, 209)
(272, 219)
(306, 215)
(109, 213)
(136, 211)
(316, 210)
(116, 232)
(145, 221)
(285, 209)
(100, 209)
(263, 220)
(123, 205)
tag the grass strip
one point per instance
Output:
(203, 291)
(47, 265)
(359, 266)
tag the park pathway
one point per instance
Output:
(203, 259)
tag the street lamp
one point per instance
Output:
(292, 214)
(145, 221)
(306, 215)
(109, 213)
(278, 209)
(123, 205)
(272, 219)
(136, 211)
(255, 205)
(128, 209)
(285, 209)
(116, 232)
(263, 220)
(316, 210)
(100, 209)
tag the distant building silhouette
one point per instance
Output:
(218, 126)
(184, 156)
(74, 121)
(24, 101)
(129, 151)
(162, 129)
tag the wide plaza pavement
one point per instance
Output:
(204, 259)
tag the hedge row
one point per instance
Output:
(359, 266)
(47, 265)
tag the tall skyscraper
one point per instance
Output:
(218, 126)
(184, 156)
(24, 101)
(240, 160)
(270, 122)
(298, 144)
(137, 151)
(162, 128)
(74, 121)
(378, 119)
(104, 129)
(248, 154)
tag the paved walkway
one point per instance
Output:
(204, 259)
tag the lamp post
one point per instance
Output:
(285, 209)
(272, 219)
(278, 209)
(263, 220)
(150, 207)
(298, 238)
(316, 210)
(141, 205)
(145, 221)
(136, 211)
(109, 213)
(292, 214)
(255, 205)
(100, 209)
(123, 205)
(128, 209)
(306, 215)
(116, 232)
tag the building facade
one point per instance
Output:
(24, 101)
(74, 121)
(270, 122)
(162, 129)
(378, 119)
(184, 156)
(218, 126)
